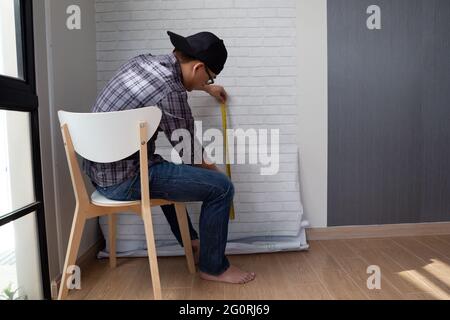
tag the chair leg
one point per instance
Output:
(112, 240)
(151, 249)
(72, 250)
(180, 208)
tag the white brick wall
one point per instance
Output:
(260, 77)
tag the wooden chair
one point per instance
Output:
(108, 137)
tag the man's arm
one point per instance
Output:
(220, 94)
(177, 115)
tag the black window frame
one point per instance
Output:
(20, 95)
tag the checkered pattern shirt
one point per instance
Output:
(145, 80)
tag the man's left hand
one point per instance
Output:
(217, 92)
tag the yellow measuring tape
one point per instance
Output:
(223, 108)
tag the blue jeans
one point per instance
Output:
(186, 183)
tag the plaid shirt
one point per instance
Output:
(145, 80)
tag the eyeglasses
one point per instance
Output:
(211, 79)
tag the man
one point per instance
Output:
(162, 81)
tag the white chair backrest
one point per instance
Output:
(109, 136)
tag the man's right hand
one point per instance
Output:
(209, 166)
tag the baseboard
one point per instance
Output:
(378, 231)
(90, 254)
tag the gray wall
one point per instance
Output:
(435, 196)
(389, 138)
(66, 79)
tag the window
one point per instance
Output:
(11, 62)
(23, 250)
(16, 171)
(20, 268)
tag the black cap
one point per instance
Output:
(203, 46)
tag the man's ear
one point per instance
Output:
(198, 65)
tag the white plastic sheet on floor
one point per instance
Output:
(268, 217)
(128, 246)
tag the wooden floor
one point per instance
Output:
(411, 268)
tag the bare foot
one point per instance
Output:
(231, 275)
(196, 250)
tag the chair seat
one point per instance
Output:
(100, 200)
